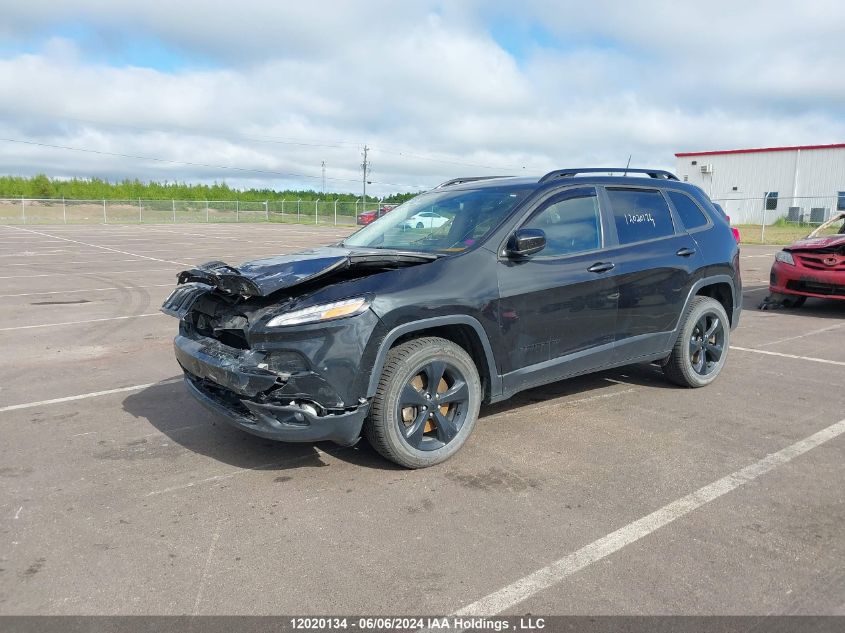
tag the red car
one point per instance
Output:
(811, 267)
(369, 216)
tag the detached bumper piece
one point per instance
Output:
(219, 380)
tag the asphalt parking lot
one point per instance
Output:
(611, 494)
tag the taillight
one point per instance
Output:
(734, 230)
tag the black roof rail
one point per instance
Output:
(569, 173)
(459, 181)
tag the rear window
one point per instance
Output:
(640, 214)
(691, 215)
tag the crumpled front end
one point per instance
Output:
(302, 383)
(818, 272)
(238, 385)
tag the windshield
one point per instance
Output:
(440, 221)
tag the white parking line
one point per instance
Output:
(810, 358)
(103, 272)
(117, 318)
(61, 292)
(559, 570)
(810, 333)
(84, 396)
(240, 471)
(105, 248)
(88, 261)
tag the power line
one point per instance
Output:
(192, 164)
(336, 144)
(443, 160)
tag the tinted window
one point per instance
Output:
(570, 221)
(691, 215)
(840, 201)
(463, 217)
(640, 214)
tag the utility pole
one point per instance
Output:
(324, 176)
(366, 167)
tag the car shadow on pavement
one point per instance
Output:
(169, 408)
(646, 375)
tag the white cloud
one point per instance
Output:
(424, 84)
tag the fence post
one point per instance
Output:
(64, 210)
(105, 218)
(335, 212)
(298, 204)
(283, 208)
(316, 202)
(173, 208)
(23, 209)
(763, 228)
(140, 213)
(266, 210)
(206, 211)
(237, 210)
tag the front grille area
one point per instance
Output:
(816, 288)
(232, 338)
(221, 396)
(816, 260)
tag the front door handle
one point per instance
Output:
(601, 267)
(685, 252)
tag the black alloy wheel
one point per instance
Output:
(432, 406)
(707, 343)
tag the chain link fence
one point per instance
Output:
(66, 211)
(776, 219)
(774, 209)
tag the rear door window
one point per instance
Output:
(640, 214)
(691, 215)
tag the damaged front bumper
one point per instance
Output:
(231, 383)
(786, 279)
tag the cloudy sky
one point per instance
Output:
(260, 93)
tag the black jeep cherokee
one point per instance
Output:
(400, 332)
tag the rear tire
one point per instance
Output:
(702, 345)
(426, 404)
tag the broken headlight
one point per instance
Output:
(323, 312)
(785, 257)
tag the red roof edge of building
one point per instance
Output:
(759, 149)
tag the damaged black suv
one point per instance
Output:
(466, 294)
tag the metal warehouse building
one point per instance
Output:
(758, 186)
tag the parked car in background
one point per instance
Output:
(366, 217)
(425, 220)
(811, 267)
(400, 336)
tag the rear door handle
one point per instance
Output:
(685, 252)
(601, 267)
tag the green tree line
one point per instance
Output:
(42, 186)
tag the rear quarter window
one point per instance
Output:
(640, 214)
(691, 215)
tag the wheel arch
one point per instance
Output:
(722, 292)
(719, 287)
(463, 330)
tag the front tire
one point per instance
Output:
(702, 346)
(426, 404)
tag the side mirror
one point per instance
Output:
(525, 242)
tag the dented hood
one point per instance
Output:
(262, 277)
(815, 243)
